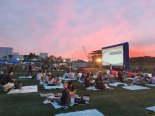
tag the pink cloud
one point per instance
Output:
(62, 28)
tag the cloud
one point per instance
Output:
(63, 27)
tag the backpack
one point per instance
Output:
(120, 85)
(79, 101)
(18, 85)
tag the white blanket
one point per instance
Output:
(24, 89)
(53, 87)
(46, 94)
(92, 88)
(132, 87)
(151, 108)
(153, 85)
(116, 84)
(23, 77)
(135, 87)
(92, 112)
(68, 79)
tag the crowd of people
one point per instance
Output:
(98, 79)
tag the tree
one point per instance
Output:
(10, 56)
(31, 56)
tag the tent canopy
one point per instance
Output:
(14, 61)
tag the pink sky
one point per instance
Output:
(63, 27)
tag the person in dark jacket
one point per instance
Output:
(71, 87)
(30, 69)
(66, 97)
(8, 82)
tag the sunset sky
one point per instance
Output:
(64, 27)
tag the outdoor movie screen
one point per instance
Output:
(113, 56)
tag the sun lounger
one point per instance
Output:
(24, 89)
(92, 112)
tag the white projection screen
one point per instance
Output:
(116, 55)
(113, 56)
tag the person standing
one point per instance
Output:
(30, 69)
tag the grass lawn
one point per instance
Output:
(116, 102)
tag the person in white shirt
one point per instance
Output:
(66, 75)
(71, 74)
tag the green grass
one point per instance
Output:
(116, 102)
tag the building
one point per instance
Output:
(142, 60)
(80, 64)
(5, 51)
(43, 55)
(96, 57)
(18, 56)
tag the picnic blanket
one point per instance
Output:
(150, 111)
(135, 87)
(24, 89)
(57, 106)
(115, 84)
(92, 112)
(46, 86)
(152, 85)
(68, 79)
(132, 87)
(24, 77)
(46, 94)
(152, 108)
(91, 88)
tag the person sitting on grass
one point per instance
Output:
(8, 82)
(39, 75)
(152, 79)
(58, 79)
(83, 76)
(64, 100)
(147, 78)
(1, 77)
(66, 97)
(100, 83)
(141, 80)
(71, 88)
(88, 81)
(51, 80)
(71, 74)
(66, 75)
